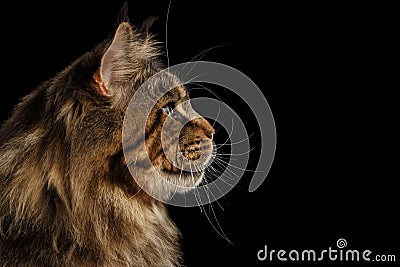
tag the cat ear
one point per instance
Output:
(115, 60)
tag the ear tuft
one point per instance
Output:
(147, 24)
(123, 15)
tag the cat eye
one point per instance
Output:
(168, 109)
(176, 115)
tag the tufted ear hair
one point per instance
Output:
(123, 14)
(115, 61)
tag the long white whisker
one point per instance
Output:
(234, 166)
(229, 135)
(195, 189)
(219, 111)
(220, 192)
(238, 142)
(237, 154)
(213, 170)
(220, 231)
(202, 54)
(219, 161)
(180, 177)
(166, 33)
(216, 200)
(197, 200)
(205, 88)
(187, 82)
(222, 174)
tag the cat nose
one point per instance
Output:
(204, 128)
(208, 130)
(210, 134)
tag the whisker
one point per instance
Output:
(220, 172)
(197, 168)
(195, 189)
(213, 170)
(201, 54)
(238, 142)
(236, 167)
(228, 158)
(225, 168)
(205, 88)
(224, 174)
(166, 33)
(180, 177)
(219, 110)
(237, 154)
(216, 200)
(194, 78)
(219, 231)
(197, 200)
(216, 186)
(229, 135)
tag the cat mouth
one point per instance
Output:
(187, 176)
(176, 171)
(187, 169)
(188, 163)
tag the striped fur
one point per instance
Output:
(66, 196)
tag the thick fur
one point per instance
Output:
(66, 196)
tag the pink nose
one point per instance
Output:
(204, 128)
(210, 135)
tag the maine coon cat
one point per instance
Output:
(66, 195)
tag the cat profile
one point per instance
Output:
(67, 197)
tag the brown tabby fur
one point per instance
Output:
(66, 196)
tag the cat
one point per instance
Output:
(67, 197)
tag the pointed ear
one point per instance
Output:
(115, 61)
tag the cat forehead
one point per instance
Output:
(178, 88)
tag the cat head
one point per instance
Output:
(68, 133)
(123, 65)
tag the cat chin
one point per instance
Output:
(169, 183)
(181, 182)
(165, 184)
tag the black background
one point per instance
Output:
(328, 72)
